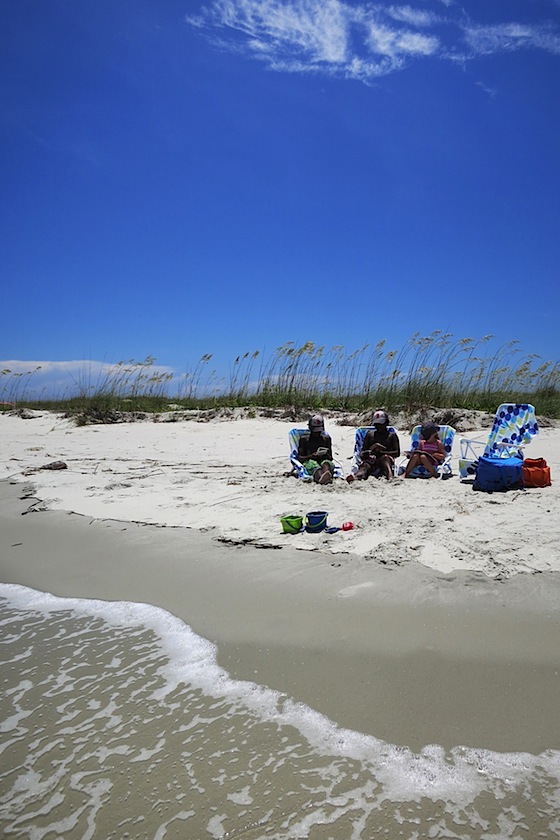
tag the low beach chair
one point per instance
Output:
(446, 435)
(361, 432)
(514, 427)
(297, 467)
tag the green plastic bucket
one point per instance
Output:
(291, 524)
(315, 521)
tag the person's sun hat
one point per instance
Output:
(427, 430)
(380, 418)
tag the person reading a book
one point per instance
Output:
(315, 451)
(430, 453)
(380, 448)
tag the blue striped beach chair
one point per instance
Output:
(361, 432)
(294, 435)
(514, 427)
(447, 436)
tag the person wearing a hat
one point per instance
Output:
(430, 452)
(379, 450)
(315, 451)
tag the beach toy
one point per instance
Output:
(291, 524)
(315, 521)
(347, 526)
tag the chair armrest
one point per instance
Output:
(469, 448)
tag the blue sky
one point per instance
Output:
(184, 177)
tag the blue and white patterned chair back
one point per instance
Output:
(515, 425)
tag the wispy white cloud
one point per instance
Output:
(354, 41)
(492, 92)
(18, 366)
(506, 37)
(413, 17)
(360, 40)
(385, 41)
(35, 379)
(317, 30)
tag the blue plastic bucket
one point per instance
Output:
(315, 521)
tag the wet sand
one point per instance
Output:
(407, 654)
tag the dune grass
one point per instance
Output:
(437, 370)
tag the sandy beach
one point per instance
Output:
(435, 621)
(226, 478)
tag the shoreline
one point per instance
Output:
(407, 654)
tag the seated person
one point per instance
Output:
(430, 452)
(379, 450)
(315, 451)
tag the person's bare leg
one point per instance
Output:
(387, 467)
(326, 476)
(361, 474)
(318, 474)
(429, 464)
(413, 462)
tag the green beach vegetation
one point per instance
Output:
(433, 370)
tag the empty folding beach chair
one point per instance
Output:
(446, 435)
(297, 467)
(514, 427)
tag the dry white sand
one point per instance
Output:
(228, 479)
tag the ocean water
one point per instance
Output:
(116, 722)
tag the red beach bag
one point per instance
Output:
(536, 472)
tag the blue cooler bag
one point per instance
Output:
(498, 474)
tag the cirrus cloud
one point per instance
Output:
(360, 41)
